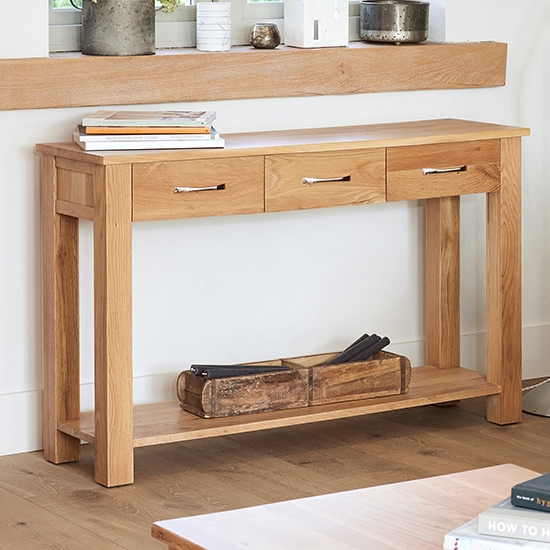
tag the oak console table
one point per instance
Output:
(436, 160)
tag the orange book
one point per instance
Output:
(114, 130)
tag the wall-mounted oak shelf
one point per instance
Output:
(74, 80)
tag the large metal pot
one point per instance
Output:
(394, 21)
(118, 27)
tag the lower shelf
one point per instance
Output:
(160, 423)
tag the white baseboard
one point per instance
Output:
(535, 351)
(21, 427)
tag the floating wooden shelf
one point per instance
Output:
(74, 80)
(160, 423)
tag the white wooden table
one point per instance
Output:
(410, 515)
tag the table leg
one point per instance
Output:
(443, 282)
(113, 440)
(61, 320)
(504, 329)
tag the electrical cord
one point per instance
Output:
(536, 385)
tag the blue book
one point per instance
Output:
(533, 493)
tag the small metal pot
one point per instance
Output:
(394, 21)
(265, 36)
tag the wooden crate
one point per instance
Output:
(218, 397)
(384, 374)
(310, 381)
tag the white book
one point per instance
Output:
(505, 519)
(467, 537)
(213, 143)
(84, 137)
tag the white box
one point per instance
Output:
(316, 23)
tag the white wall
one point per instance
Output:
(23, 28)
(255, 287)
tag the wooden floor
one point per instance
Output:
(60, 507)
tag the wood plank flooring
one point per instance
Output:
(60, 507)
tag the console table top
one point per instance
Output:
(305, 140)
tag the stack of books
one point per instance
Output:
(520, 521)
(131, 130)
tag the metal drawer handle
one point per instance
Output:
(427, 171)
(192, 189)
(309, 181)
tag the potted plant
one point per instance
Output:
(120, 27)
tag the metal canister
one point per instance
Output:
(118, 27)
(394, 21)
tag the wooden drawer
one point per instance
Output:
(362, 173)
(452, 169)
(162, 189)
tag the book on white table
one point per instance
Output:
(533, 493)
(505, 519)
(468, 537)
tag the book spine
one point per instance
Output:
(147, 130)
(145, 145)
(523, 528)
(529, 498)
(140, 122)
(102, 138)
(454, 542)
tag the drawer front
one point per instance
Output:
(168, 190)
(354, 177)
(443, 170)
